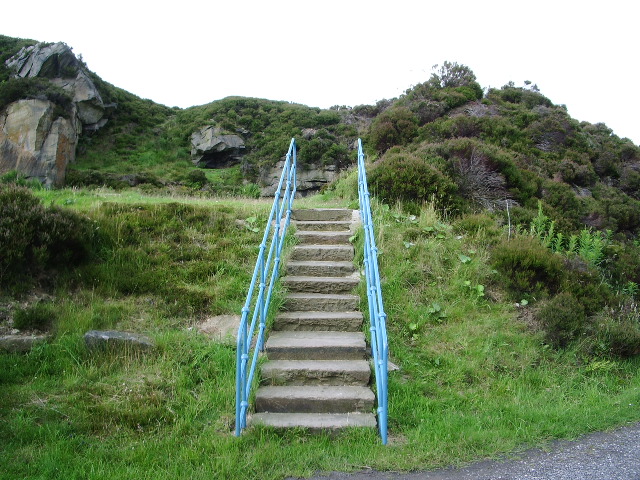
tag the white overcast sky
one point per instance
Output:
(583, 54)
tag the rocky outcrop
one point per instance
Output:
(310, 178)
(37, 138)
(210, 148)
(37, 142)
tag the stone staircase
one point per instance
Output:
(317, 374)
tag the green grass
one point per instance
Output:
(474, 380)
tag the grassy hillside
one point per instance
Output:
(477, 376)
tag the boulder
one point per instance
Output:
(37, 142)
(58, 63)
(20, 343)
(117, 341)
(210, 148)
(310, 178)
(35, 138)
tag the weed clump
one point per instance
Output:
(563, 319)
(39, 316)
(617, 330)
(527, 268)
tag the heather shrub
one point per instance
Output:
(562, 318)
(402, 176)
(616, 331)
(395, 126)
(34, 238)
(527, 269)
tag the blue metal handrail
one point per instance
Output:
(256, 306)
(377, 317)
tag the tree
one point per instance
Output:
(452, 74)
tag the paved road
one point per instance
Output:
(600, 456)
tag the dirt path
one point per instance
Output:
(611, 455)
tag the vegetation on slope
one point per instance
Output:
(509, 255)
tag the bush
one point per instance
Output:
(34, 238)
(528, 269)
(616, 331)
(396, 126)
(196, 178)
(403, 176)
(563, 319)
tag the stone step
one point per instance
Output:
(322, 214)
(316, 372)
(316, 345)
(324, 321)
(307, 237)
(320, 284)
(334, 253)
(315, 422)
(319, 268)
(321, 302)
(314, 399)
(324, 226)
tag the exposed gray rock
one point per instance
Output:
(34, 138)
(310, 178)
(58, 63)
(20, 343)
(210, 148)
(113, 340)
(37, 142)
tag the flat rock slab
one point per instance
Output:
(320, 268)
(315, 422)
(324, 226)
(20, 343)
(303, 345)
(321, 302)
(344, 253)
(322, 214)
(315, 284)
(314, 399)
(117, 341)
(323, 321)
(323, 238)
(223, 328)
(316, 372)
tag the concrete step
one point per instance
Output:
(320, 284)
(334, 253)
(324, 226)
(321, 302)
(322, 214)
(315, 422)
(324, 321)
(307, 237)
(316, 345)
(319, 268)
(316, 372)
(314, 399)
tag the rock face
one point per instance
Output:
(210, 148)
(310, 178)
(37, 142)
(35, 137)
